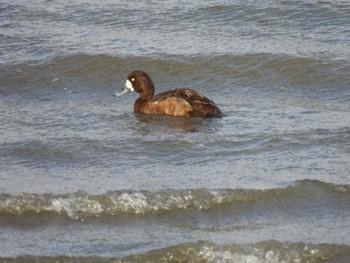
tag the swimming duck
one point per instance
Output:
(181, 102)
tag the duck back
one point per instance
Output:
(197, 104)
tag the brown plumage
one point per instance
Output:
(182, 102)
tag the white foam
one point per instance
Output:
(211, 254)
(136, 202)
(76, 208)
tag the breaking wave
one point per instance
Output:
(80, 205)
(263, 252)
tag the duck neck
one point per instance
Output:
(147, 91)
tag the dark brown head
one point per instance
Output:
(139, 82)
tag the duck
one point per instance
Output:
(178, 102)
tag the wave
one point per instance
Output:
(267, 251)
(81, 205)
(239, 70)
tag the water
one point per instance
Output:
(83, 179)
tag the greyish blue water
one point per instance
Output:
(83, 179)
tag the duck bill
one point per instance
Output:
(127, 88)
(123, 91)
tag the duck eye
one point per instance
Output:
(132, 79)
